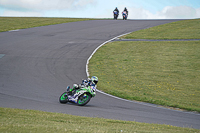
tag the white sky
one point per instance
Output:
(138, 9)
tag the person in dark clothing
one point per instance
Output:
(116, 10)
(126, 10)
(116, 13)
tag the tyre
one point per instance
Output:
(84, 99)
(63, 98)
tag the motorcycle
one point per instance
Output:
(80, 96)
(115, 14)
(124, 15)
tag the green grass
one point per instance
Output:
(14, 23)
(23, 121)
(186, 29)
(164, 73)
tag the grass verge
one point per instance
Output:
(186, 29)
(23, 121)
(14, 23)
(164, 73)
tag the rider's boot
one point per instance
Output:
(68, 88)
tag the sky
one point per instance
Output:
(138, 9)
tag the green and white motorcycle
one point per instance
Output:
(80, 96)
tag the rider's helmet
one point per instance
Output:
(94, 80)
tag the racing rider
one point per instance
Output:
(89, 82)
(116, 10)
(126, 10)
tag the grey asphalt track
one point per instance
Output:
(37, 64)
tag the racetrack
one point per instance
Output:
(37, 64)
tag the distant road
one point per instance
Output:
(37, 64)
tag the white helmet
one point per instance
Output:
(94, 80)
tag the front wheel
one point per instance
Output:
(84, 99)
(63, 98)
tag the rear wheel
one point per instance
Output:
(84, 99)
(63, 98)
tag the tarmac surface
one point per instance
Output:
(37, 64)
